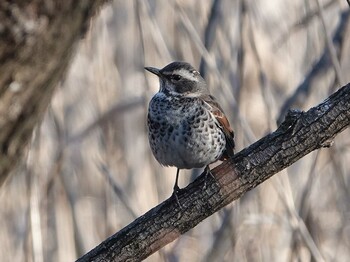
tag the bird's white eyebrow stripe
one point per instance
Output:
(184, 73)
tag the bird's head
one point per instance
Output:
(180, 78)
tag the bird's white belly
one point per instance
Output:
(184, 137)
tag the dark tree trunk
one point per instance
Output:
(37, 39)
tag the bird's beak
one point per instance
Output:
(154, 70)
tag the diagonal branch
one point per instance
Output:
(299, 134)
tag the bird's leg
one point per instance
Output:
(207, 171)
(176, 188)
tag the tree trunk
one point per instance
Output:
(37, 39)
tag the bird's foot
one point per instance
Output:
(207, 172)
(175, 192)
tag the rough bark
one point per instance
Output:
(299, 134)
(37, 38)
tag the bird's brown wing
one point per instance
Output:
(219, 114)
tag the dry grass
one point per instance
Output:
(89, 170)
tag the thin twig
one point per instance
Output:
(109, 115)
(209, 34)
(330, 46)
(320, 67)
(302, 23)
(117, 189)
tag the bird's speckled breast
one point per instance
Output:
(183, 132)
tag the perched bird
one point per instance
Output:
(187, 128)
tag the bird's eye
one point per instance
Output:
(176, 77)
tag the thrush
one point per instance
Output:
(187, 127)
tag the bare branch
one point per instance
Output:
(299, 134)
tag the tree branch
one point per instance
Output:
(299, 134)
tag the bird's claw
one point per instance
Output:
(207, 171)
(176, 190)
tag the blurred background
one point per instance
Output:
(89, 170)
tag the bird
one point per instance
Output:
(187, 127)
